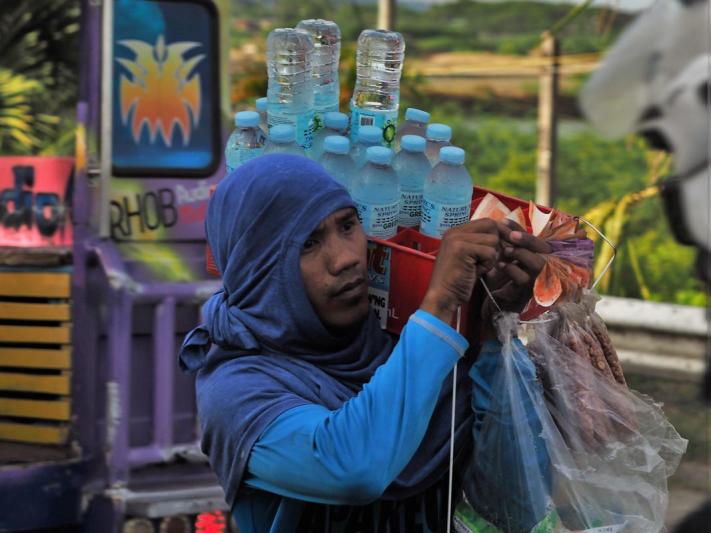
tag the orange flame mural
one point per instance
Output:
(162, 91)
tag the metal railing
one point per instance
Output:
(125, 295)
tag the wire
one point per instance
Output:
(451, 432)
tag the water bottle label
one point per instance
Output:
(378, 220)
(305, 130)
(438, 218)
(323, 103)
(318, 122)
(303, 124)
(386, 120)
(410, 209)
(379, 281)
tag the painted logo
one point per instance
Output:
(160, 93)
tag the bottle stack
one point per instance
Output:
(406, 176)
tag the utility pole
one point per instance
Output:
(548, 122)
(386, 14)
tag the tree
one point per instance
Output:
(38, 72)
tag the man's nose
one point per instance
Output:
(340, 257)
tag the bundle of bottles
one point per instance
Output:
(404, 175)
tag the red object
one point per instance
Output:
(35, 200)
(399, 269)
(211, 522)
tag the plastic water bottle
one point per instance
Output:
(337, 161)
(326, 37)
(282, 139)
(261, 105)
(334, 123)
(246, 141)
(376, 193)
(376, 96)
(415, 124)
(412, 168)
(290, 96)
(438, 136)
(447, 196)
(369, 136)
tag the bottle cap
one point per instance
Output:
(336, 144)
(261, 104)
(282, 133)
(452, 155)
(247, 119)
(371, 134)
(335, 120)
(413, 143)
(379, 155)
(439, 132)
(417, 115)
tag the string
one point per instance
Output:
(451, 433)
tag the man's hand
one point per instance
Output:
(465, 253)
(511, 282)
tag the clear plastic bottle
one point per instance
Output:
(369, 136)
(282, 140)
(337, 161)
(412, 168)
(261, 105)
(415, 124)
(438, 136)
(246, 141)
(447, 196)
(290, 96)
(326, 37)
(376, 193)
(376, 96)
(334, 123)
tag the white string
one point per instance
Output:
(451, 433)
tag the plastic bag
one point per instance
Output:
(509, 479)
(564, 447)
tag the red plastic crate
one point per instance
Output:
(400, 268)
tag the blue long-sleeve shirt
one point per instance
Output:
(348, 456)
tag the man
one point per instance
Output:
(313, 418)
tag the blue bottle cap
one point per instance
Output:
(452, 155)
(335, 120)
(282, 133)
(379, 155)
(371, 134)
(336, 144)
(417, 115)
(439, 132)
(413, 143)
(247, 119)
(261, 104)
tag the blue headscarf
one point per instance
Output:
(262, 348)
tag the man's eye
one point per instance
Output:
(348, 225)
(309, 244)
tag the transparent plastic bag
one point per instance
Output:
(565, 447)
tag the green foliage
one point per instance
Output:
(505, 27)
(39, 61)
(21, 123)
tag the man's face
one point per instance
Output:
(333, 267)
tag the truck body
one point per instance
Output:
(123, 284)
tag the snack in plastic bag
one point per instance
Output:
(603, 453)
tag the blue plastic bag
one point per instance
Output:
(509, 481)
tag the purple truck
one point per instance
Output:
(152, 116)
